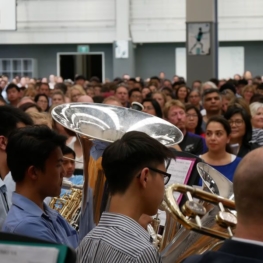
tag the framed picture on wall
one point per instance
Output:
(199, 39)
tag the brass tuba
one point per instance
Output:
(105, 124)
(204, 224)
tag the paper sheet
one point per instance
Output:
(27, 254)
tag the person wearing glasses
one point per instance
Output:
(135, 170)
(241, 130)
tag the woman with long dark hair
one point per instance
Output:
(194, 120)
(151, 106)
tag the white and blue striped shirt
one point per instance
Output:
(117, 238)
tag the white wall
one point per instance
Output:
(94, 21)
(63, 21)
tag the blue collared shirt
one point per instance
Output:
(28, 219)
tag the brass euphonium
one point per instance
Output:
(105, 124)
(205, 223)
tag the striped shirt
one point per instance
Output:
(117, 238)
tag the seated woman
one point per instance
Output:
(219, 153)
(194, 120)
(256, 109)
(241, 130)
(151, 106)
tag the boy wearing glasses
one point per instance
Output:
(135, 170)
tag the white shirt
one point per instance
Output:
(10, 185)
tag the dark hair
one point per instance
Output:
(210, 91)
(225, 124)
(12, 86)
(133, 90)
(229, 86)
(98, 99)
(198, 129)
(133, 80)
(31, 146)
(232, 110)
(242, 82)
(42, 95)
(62, 87)
(260, 86)
(68, 150)
(256, 98)
(124, 159)
(80, 77)
(95, 79)
(10, 117)
(44, 83)
(156, 106)
(215, 81)
(155, 78)
(168, 89)
(29, 105)
(187, 92)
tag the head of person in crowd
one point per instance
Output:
(62, 87)
(237, 77)
(80, 80)
(240, 85)
(131, 83)
(256, 110)
(221, 83)
(10, 119)
(228, 86)
(248, 92)
(75, 92)
(167, 83)
(153, 86)
(13, 94)
(248, 76)
(90, 92)
(257, 80)
(30, 92)
(42, 101)
(139, 84)
(241, 128)
(151, 106)
(215, 81)
(30, 107)
(174, 112)
(142, 160)
(85, 98)
(207, 85)
(112, 100)
(58, 97)
(68, 161)
(97, 90)
(182, 93)
(227, 96)
(121, 93)
(240, 102)
(44, 89)
(217, 135)
(193, 119)
(162, 75)
(41, 118)
(160, 97)
(145, 91)
(259, 89)
(212, 102)
(257, 98)
(194, 98)
(135, 95)
(197, 85)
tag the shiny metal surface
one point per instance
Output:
(109, 123)
(214, 181)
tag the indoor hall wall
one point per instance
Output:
(46, 55)
(164, 21)
(63, 21)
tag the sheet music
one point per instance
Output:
(180, 169)
(27, 254)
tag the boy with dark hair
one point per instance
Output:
(135, 170)
(13, 94)
(34, 156)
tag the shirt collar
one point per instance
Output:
(31, 207)
(1, 182)
(124, 222)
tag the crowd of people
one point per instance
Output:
(221, 120)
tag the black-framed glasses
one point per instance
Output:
(166, 176)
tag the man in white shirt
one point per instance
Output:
(10, 119)
(247, 243)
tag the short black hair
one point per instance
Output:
(133, 90)
(95, 79)
(155, 78)
(68, 150)
(61, 86)
(260, 86)
(10, 117)
(215, 81)
(123, 160)
(228, 85)
(80, 77)
(40, 95)
(156, 106)
(243, 82)
(44, 83)
(12, 86)
(209, 91)
(31, 146)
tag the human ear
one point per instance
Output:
(32, 172)
(144, 177)
(3, 143)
